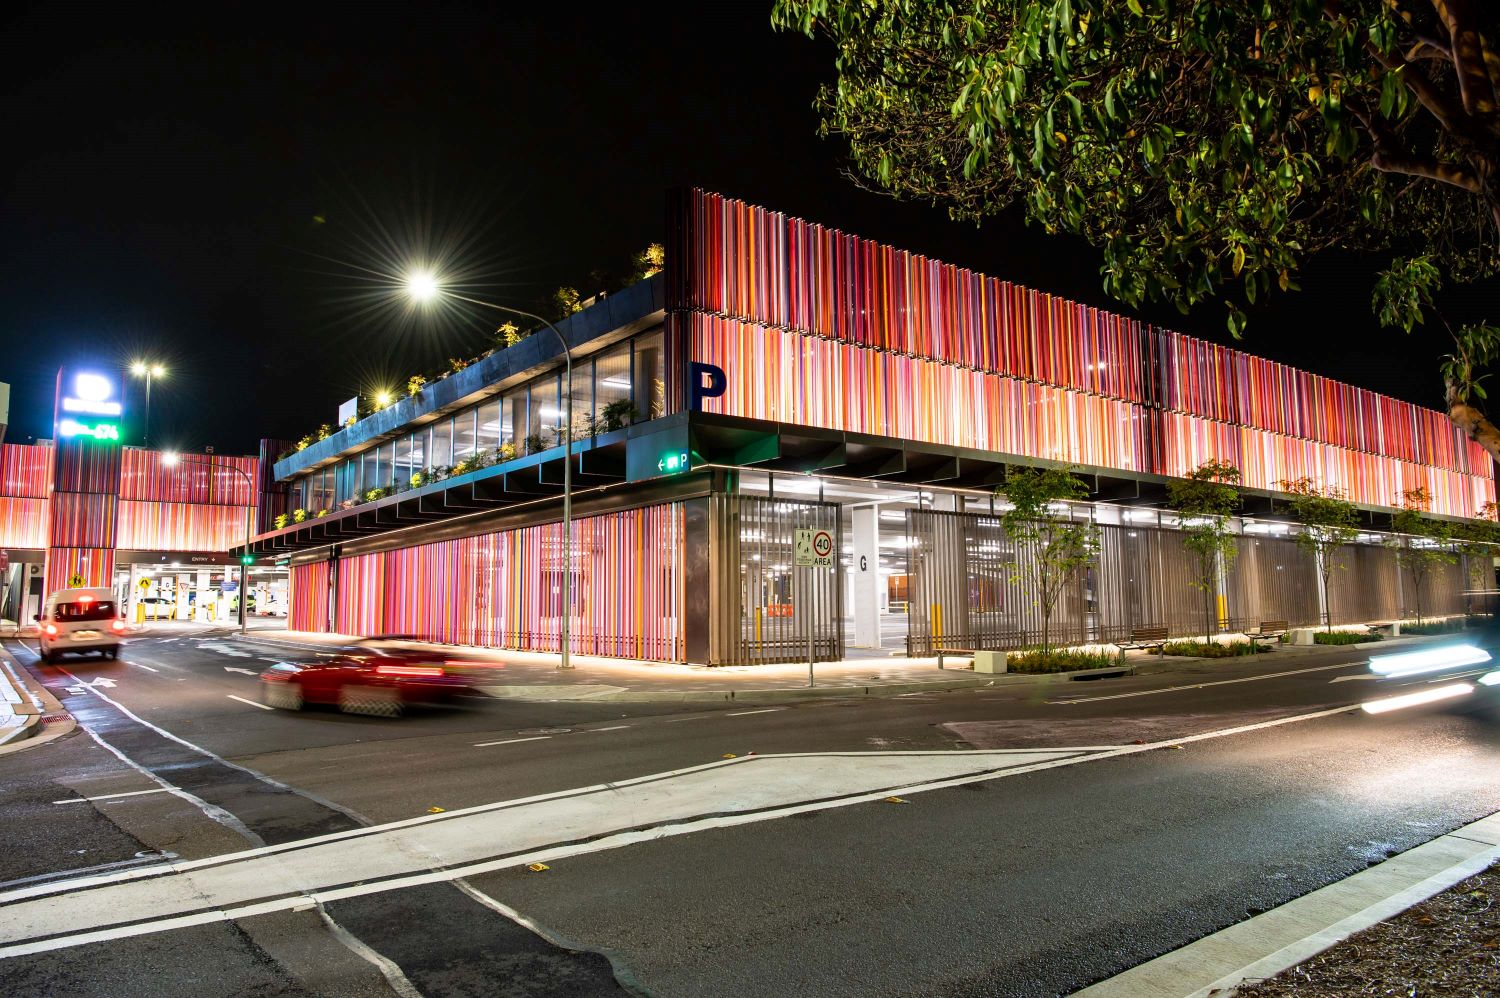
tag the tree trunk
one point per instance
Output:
(1475, 425)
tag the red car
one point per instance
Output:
(377, 676)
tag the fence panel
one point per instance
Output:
(758, 613)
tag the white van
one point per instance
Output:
(80, 620)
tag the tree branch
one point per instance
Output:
(1462, 177)
(1475, 88)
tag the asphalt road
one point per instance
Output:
(1030, 884)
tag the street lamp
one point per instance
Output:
(422, 287)
(172, 459)
(142, 369)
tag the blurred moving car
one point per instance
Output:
(79, 621)
(379, 676)
(1436, 674)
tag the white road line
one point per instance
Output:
(679, 720)
(513, 741)
(321, 875)
(618, 727)
(353, 815)
(250, 702)
(743, 713)
(140, 666)
(1067, 757)
(133, 793)
(1199, 686)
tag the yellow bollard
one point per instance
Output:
(140, 613)
(937, 622)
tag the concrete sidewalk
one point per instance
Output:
(27, 709)
(518, 675)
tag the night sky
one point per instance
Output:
(202, 184)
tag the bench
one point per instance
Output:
(1146, 637)
(960, 652)
(1269, 630)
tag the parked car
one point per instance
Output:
(79, 621)
(158, 607)
(378, 676)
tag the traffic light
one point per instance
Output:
(247, 559)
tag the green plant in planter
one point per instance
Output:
(415, 384)
(325, 431)
(418, 480)
(505, 452)
(321, 512)
(535, 444)
(298, 515)
(281, 520)
(617, 415)
(305, 442)
(374, 494)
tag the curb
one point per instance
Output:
(1264, 946)
(45, 718)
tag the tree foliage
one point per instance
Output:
(1329, 521)
(1423, 545)
(1206, 148)
(1052, 546)
(1207, 498)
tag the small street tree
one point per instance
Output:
(1423, 544)
(1206, 498)
(1051, 546)
(1329, 521)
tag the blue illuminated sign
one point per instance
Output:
(89, 407)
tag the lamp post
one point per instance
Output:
(149, 371)
(172, 460)
(423, 287)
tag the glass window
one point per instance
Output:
(322, 497)
(649, 381)
(92, 610)
(382, 479)
(442, 443)
(612, 402)
(583, 400)
(348, 480)
(489, 425)
(299, 494)
(513, 419)
(546, 418)
(463, 436)
(402, 462)
(419, 453)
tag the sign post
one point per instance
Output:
(814, 550)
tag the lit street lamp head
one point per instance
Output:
(169, 458)
(138, 369)
(421, 285)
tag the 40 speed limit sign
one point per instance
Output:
(814, 548)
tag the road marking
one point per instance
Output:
(458, 844)
(512, 741)
(104, 681)
(744, 713)
(352, 815)
(1348, 679)
(618, 727)
(140, 666)
(1199, 686)
(235, 668)
(133, 793)
(250, 702)
(392, 973)
(679, 720)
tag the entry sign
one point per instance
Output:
(814, 548)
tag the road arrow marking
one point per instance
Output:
(248, 672)
(104, 681)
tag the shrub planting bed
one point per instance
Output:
(1213, 649)
(1436, 627)
(1343, 637)
(1059, 661)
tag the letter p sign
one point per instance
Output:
(705, 381)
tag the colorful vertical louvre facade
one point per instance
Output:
(819, 327)
(25, 481)
(197, 504)
(505, 589)
(81, 528)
